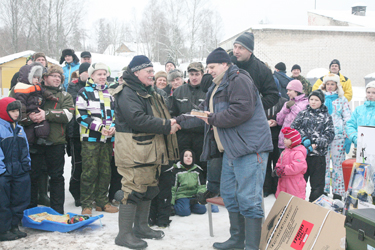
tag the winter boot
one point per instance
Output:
(237, 233)
(17, 232)
(141, 228)
(43, 198)
(125, 235)
(7, 236)
(253, 230)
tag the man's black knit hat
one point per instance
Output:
(280, 66)
(219, 55)
(296, 66)
(335, 61)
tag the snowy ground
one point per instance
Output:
(184, 232)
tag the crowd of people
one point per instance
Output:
(136, 149)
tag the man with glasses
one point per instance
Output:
(145, 140)
(58, 113)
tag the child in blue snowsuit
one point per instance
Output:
(14, 170)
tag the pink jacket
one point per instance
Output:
(286, 116)
(293, 160)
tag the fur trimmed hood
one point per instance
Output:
(27, 72)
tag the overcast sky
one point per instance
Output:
(237, 15)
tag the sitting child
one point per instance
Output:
(189, 181)
(292, 166)
(32, 96)
(14, 170)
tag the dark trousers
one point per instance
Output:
(193, 141)
(160, 209)
(115, 180)
(316, 169)
(75, 178)
(270, 183)
(14, 199)
(53, 158)
(214, 167)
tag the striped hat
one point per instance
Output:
(293, 135)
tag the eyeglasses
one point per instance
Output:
(55, 76)
(151, 71)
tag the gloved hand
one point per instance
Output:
(347, 145)
(307, 143)
(278, 171)
(193, 200)
(290, 103)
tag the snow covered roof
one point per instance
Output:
(25, 54)
(372, 75)
(304, 28)
(346, 16)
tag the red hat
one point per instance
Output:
(293, 135)
(7, 104)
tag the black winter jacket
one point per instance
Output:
(271, 114)
(263, 80)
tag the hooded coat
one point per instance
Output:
(294, 165)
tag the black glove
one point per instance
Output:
(193, 200)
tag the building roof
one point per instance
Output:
(346, 16)
(24, 54)
(304, 28)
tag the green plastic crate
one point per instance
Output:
(360, 229)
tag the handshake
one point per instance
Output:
(174, 126)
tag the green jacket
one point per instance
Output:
(188, 182)
(305, 83)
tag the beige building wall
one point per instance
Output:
(316, 49)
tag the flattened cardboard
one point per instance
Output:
(301, 225)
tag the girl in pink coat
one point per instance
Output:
(292, 165)
(298, 102)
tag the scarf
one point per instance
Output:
(329, 100)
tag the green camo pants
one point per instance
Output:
(96, 173)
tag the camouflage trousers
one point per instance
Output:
(137, 180)
(96, 173)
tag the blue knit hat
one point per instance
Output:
(219, 55)
(139, 62)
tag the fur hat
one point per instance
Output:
(96, 66)
(295, 85)
(218, 55)
(370, 85)
(246, 40)
(318, 93)
(335, 61)
(55, 69)
(296, 66)
(281, 66)
(160, 74)
(39, 54)
(336, 79)
(140, 62)
(293, 135)
(173, 74)
(7, 104)
(68, 52)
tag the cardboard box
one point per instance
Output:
(366, 145)
(296, 224)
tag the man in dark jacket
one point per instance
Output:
(58, 114)
(236, 126)
(244, 58)
(145, 140)
(280, 74)
(74, 136)
(184, 99)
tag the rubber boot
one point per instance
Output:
(43, 198)
(253, 231)
(141, 228)
(237, 233)
(125, 235)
